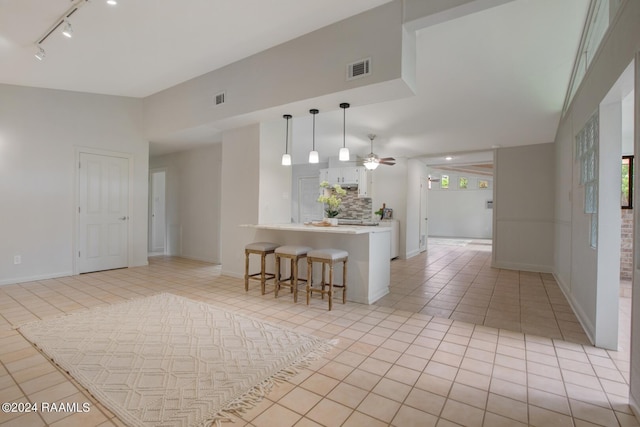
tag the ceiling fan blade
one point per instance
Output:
(387, 163)
(384, 159)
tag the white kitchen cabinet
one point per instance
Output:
(324, 175)
(342, 176)
(395, 235)
(364, 183)
(349, 176)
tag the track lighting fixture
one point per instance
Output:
(313, 155)
(61, 22)
(40, 53)
(286, 157)
(344, 151)
(67, 30)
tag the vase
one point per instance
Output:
(332, 221)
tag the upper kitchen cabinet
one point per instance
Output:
(349, 176)
(343, 176)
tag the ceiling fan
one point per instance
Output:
(372, 160)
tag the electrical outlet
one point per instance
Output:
(17, 259)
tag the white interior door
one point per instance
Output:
(103, 212)
(424, 232)
(158, 221)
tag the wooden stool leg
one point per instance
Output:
(344, 281)
(278, 277)
(330, 286)
(291, 269)
(294, 280)
(246, 271)
(309, 274)
(323, 279)
(263, 264)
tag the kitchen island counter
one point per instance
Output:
(369, 267)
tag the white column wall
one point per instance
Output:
(240, 195)
(410, 240)
(609, 223)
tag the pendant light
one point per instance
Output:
(313, 155)
(344, 151)
(286, 157)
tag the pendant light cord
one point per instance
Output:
(344, 127)
(314, 132)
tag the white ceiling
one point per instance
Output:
(497, 77)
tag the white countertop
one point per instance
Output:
(338, 229)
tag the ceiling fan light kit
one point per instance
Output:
(372, 161)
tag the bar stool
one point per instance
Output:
(327, 257)
(294, 254)
(263, 249)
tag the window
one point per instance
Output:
(587, 141)
(626, 198)
(444, 182)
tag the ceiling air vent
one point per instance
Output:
(220, 98)
(359, 69)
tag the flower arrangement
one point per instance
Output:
(332, 197)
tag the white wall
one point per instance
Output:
(388, 187)
(574, 263)
(193, 202)
(275, 180)
(523, 207)
(310, 66)
(40, 130)
(457, 212)
(410, 239)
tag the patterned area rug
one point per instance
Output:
(167, 360)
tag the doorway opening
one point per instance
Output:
(460, 197)
(157, 212)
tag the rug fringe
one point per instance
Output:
(253, 397)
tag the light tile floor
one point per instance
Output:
(456, 281)
(390, 367)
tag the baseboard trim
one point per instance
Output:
(635, 407)
(580, 314)
(523, 267)
(35, 278)
(412, 253)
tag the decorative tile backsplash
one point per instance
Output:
(355, 207)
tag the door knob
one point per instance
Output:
(123, 218)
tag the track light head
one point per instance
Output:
(67, 30)
(40, 53)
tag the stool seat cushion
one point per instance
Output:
(293, 250)
(328, 254)
(261, 246)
